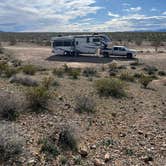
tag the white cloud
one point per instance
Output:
(153, 10)
(133, 9)
(112, 14)
(38, 14)
(164, 13)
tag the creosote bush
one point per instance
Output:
(11, 145)
(6, 70)
(49, 148)
(110, 87)
(38, 98)
(59, 72)
(8, 107)
(74, 73)
(89, 72)
(67, 140)
(47, 82)
(85, 104)
(127, 77)
(151, 70)
(145, 80)
(29, 69)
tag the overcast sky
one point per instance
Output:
(82, 15)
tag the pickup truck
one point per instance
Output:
(119, 51)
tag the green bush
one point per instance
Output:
(110, 87)
(74, 73)
(38, 98)
(145, 80)
(151, 70)
(85, 104)
(127, 77)
(58, 72)
(67, 140)
(49, 148)
(89, 72)
(29, 69)
(63, 160)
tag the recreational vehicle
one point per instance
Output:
(79, 44)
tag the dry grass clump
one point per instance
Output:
(23, 80)
(127, 77)
(151, 70)
(38, 98)
(29, 69)
(67, 139)
(59, 72)
(85, 104)
(89, 72)
(8, 107)
(11, 145)
(110, 87)
(145, 80)
(6, 70)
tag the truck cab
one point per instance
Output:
(119, 51)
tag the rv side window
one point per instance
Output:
(67, 43)
(57, 43)
(95, 40)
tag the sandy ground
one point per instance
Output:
(42, 56)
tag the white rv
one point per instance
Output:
(79, 44)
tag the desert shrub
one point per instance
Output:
(9, 149)
(66, 68)
(89, 72)
(77, 160)
(8, 107)
(110, 87)
(10, 71)
(138, 75)
(38, 98)
(126, 77)
(85, 104)
(67, 140)
(151, 70)
(162, 73)
(145, 80)
(55, 83)
(58, 72)
(74, 73)
(63, 160)
(26, 81)
(29, 69)
(113, 66)
(16, 62)
(47, 82)
(49, 148)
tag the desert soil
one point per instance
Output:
(131, 130)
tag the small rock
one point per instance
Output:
(107, 157)
(147, 159)
(83, 151)
(140, 132)
(93, 147)
(98, 162)
(31, 161)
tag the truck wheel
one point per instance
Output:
(105, 54)
(129, 56)
(66, 53)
